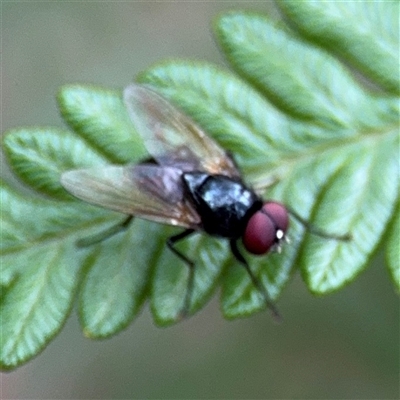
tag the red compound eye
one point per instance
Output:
(278, 214)
(261, 230)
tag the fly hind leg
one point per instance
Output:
(171, 245)
(103, 235)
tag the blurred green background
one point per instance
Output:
(342, 346)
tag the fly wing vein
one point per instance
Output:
(119, 189)
(171, 137)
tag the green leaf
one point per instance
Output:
(99, 116)
(368, 179)
(302, 81)
(393, 249)
(365, 34)
(39, 271)
(36, 305)
(298, 120)
(327, 152)
(21, 231)
(114, 285)
(39, 156)
(359, 124)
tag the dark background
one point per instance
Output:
(345, 345)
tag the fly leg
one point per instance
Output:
(257, 284)
(315, 231)
(107, 233)
(171, 245)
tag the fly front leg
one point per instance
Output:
(171, 245)
(256, 282)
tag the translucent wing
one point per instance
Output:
(171, 137)
(145, 190)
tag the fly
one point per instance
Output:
(191, 182)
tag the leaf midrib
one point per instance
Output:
(48, 239)
(288, 163)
